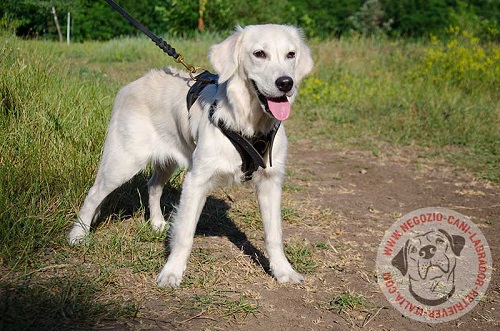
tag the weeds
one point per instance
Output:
(441, 96)
(228, 304)
(463, 62)
(347, 301)
(300, 256)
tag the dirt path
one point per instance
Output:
(354, 197)
(338, 203)
(368, 193)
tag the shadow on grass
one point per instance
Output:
(75, 302)
(132, 198)
(59, 303)
(215, 222)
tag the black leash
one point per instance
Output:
(162, 44)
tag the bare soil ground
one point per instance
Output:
(346, 200)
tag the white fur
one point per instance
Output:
(151, 124)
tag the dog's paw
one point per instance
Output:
(158, 225)
(77, 235)
(288, 276)
(168, 277)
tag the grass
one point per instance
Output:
(347, 301)
(55, 105)
(300, 254)
(57, 302)
(226, 303)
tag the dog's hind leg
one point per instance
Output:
(161, 174)
(117, 167)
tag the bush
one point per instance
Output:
(462, 61)
(371, 19)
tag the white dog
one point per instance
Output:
(260, 68)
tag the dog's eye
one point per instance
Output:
(260, 54)
(290, 55)
(439, 241)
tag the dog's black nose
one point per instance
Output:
(284, 83)
(427, 252)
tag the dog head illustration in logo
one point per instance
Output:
(429, 260)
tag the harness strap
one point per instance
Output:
(202, 80)
(251, 150)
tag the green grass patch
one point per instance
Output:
(347, 301)
(52, 124)
(228, 304)
(300, 255)
(60, 303)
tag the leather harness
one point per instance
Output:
(252, 150)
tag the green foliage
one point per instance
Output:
(463, 62)
(320, 19)
(346, 302)
(179, 16)
(417, 18)
(370, 19)
(422, 17)
(96, 20)
(473, 19)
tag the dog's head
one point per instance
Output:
(272, 59)
(429, 260)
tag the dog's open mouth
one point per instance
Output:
(279, 107)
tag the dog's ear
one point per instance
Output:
(305, 62)
(400, 261)
(457, 242)
(224, 56)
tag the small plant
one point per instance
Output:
(227, 303)
(347, 301)
(301, 257)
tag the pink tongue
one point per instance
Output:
(279, 109)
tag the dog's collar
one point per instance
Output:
(432, 302)
(252, 150)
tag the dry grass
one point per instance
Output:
(114, 272)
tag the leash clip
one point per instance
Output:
(190, 68)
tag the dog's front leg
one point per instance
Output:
(193, 197)
(269, 198)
